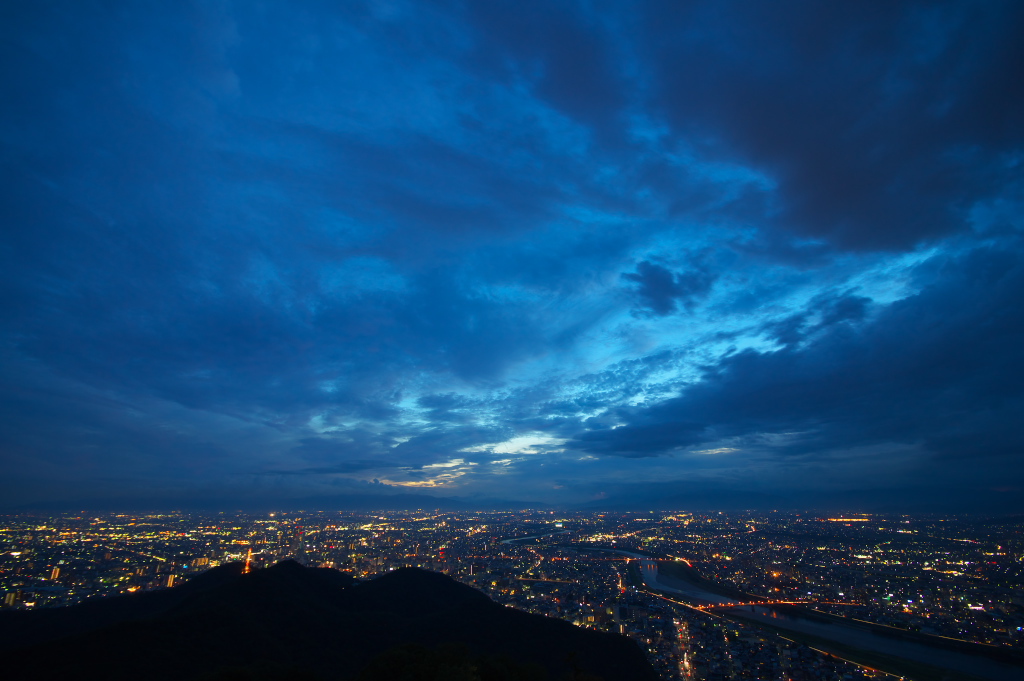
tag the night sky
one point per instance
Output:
(734, 253)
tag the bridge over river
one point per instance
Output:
(848, 634)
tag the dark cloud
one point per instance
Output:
(566, 54)
(821, 314)
(265, 250)
(933, 370)
(661, 290)
(881, 123)
(347, 467)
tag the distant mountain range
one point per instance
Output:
(293, 623)
(339, 502)
(698, 497)
(669, 496)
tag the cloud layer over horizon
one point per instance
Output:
(553, 252)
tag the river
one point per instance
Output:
(853, 634)
(866, 638)
(654, 580)
(515, 540)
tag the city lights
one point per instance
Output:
(707, 596)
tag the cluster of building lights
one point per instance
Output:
(948, 577)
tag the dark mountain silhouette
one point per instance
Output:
(293, 622)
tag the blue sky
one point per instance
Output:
(555, 252)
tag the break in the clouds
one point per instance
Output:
(553, 252)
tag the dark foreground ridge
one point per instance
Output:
(309, 624)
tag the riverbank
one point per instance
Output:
(678, 570)
(878, 648)
(999, 653)
(915, 656)
(516, 540)
(890, 664)
(920, 657)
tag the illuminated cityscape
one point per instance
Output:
(335, 330)
(707, 596)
